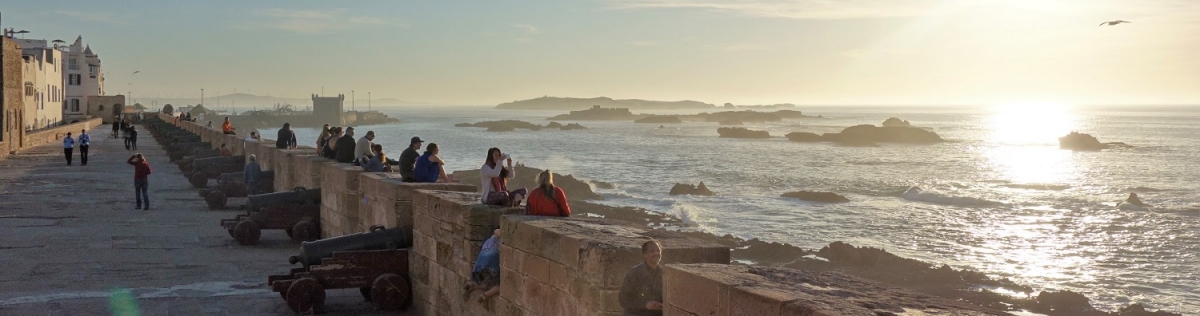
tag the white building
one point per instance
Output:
(43, 87)
(83, 78)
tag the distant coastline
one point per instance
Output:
(572, 104)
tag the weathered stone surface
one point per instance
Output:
(715, 289)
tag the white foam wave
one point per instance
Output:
(935, 197)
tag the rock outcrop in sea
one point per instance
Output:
(596, 113)
(1083, 142)
(895, 122)
(688, 189)
(813, 196)
(738, 132)
(660, 119)
(870, 135)
(513, 125)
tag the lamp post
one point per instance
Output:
(368, 101)
(352, 100)
(201, 96)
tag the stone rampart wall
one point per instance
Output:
(550, 265)
(54, 135)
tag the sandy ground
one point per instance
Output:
(70, 236)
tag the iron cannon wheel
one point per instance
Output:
(216, 200)
(305, 230)
(198, 179)
(391, 292)
(305, 296)
(247, 232)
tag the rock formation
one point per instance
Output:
(660, 119)
(823, 197)
(572, 126)
(596, 113)
(505, 125)
(895, 122)
(804, 137)
(738, 132)
(688, 189)
(1080, 142)
(554, 125)
(731, 122)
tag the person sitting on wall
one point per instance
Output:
(502, 196)
(485, 275)
(642, 293)
(377, 162)
(364, 145)
(345, 147)
(329, 150)
(209, 124)
(252, 138)
(408, 159)
(547, 199)
(227, 127)
(225, 152)
(251, 173)
(325, 130)
(430, 168)
(286, 138)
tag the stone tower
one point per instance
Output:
(328, 110)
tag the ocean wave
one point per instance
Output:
(935, 197)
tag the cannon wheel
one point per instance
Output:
(305, 296)
(247, 232)
(198, 180)
(305, 230)
(231, 234)
(216, 200)
(391, 292)
(366, 292)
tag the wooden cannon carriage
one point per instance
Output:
(345, 262)
(298, 212)
(233, 185)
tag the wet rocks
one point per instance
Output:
(812, 196)
(738, 132)
(895, 122)
(688, 189)
(572, 126)
(804, 137)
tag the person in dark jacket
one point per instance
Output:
(251, 173)
(131, 138)
(408, 159)
(641, 292)
(345, 147)
(116, 128)
(286, 138)
(85, 141)
(141, 180)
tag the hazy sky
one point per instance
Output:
(745, 52)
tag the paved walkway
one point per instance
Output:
(69, 235)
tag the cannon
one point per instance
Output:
(381, 276)
(233, 185)
(300, 221)
(299, 195)
(377, 238)
(210, 168)
(177, 151)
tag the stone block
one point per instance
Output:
(344, 175)
(511, 283)
(559, 277)
(696, 293)
(506, 307)
(537, 268)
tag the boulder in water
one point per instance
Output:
(895, 122)
(554, 125)
(572, 126)
(812, 196)
(738, 132)
(1080, 142)
(804, 137)
(870, 134)
(688, 189)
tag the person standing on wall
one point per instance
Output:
(408, 159)
(141, 181)
(286, 138)
(68, 147)
(85, 141)
(641, 292)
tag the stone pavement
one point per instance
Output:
(69, 236)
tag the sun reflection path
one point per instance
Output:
(1023, 143)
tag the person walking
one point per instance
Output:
(408, 159)
(117, 127)
(286, 138)
(85, 141)
(131, 139)
(141, 180)
(68, 147)
(252, 172)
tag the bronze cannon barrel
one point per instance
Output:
(377, 238)
(297, 196)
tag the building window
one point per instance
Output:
(73, 64)
(92, 70)
(74, 105)
(29, 89)
(74, 79)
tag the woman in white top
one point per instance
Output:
(488, 174)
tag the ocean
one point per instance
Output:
(999, 197)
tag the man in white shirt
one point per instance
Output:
(85, 141)
(68, 147)
(252, 138)
(363, 147)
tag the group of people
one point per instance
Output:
(127, 131)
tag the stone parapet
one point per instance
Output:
(726, 290)
(286, 164)
(449, 229)
(387, 200)
(341, 200)
(575, 266)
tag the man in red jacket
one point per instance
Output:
(141, 177)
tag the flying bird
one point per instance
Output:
(1114, 22)
(135, 72)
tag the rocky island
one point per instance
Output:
(513, 125)
(660, 119)
(1083, 142)
(871, 135)
(557, 103)
(688, 189)
(738, 132)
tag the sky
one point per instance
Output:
(807, 52)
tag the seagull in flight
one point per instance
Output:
(135, 72)
(1114, 22)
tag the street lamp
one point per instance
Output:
(352, 100)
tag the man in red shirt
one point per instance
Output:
(141, 177)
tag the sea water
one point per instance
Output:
(999, 197)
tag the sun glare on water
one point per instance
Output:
(1023, 143)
